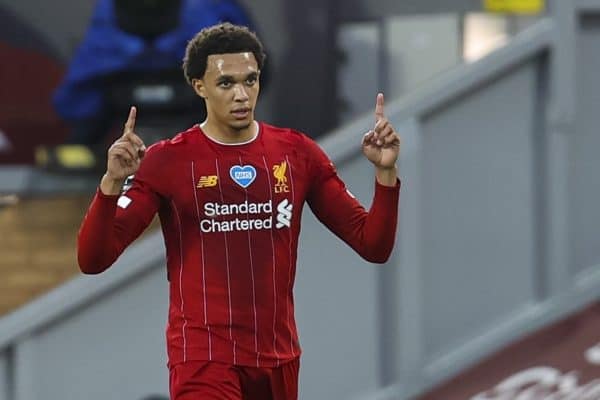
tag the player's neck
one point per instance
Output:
(228, 135)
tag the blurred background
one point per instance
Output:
(493, 290)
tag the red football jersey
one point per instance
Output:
(230, 216)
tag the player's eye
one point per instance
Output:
(225, 84)
(251, 81)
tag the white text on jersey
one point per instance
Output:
(262, 216)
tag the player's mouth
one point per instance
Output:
(241, 113)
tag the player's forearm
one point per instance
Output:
(379, 228)
(95, 248)
(370, 233)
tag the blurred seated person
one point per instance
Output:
(131, 54)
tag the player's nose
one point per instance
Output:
(240, 93)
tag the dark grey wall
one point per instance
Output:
(479, 180)
(134, 321)
(4, 368)
(584, 177)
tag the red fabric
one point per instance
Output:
(195, 380)
(231, 290)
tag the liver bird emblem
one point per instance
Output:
(279, 171)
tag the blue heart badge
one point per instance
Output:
(243, 175)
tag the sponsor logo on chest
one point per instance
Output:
(247, 215)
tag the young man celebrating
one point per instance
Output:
(229, 193)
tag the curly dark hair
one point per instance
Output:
(224, 38)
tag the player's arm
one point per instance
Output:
(113, 222)
(371, 233)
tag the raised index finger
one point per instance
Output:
(130, 124)
(379, 107)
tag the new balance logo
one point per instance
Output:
(207, 181)
(284, 214)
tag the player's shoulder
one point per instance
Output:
(301, 142)
(284, 134)
(165, 146)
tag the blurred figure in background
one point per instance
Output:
(131, 53)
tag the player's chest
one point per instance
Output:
(256, 181)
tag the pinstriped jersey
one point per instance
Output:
(230, 216)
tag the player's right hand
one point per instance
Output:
(126, 153)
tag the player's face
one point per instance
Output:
(230, 88)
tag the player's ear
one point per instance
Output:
(199, 87)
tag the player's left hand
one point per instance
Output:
(381, 145)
